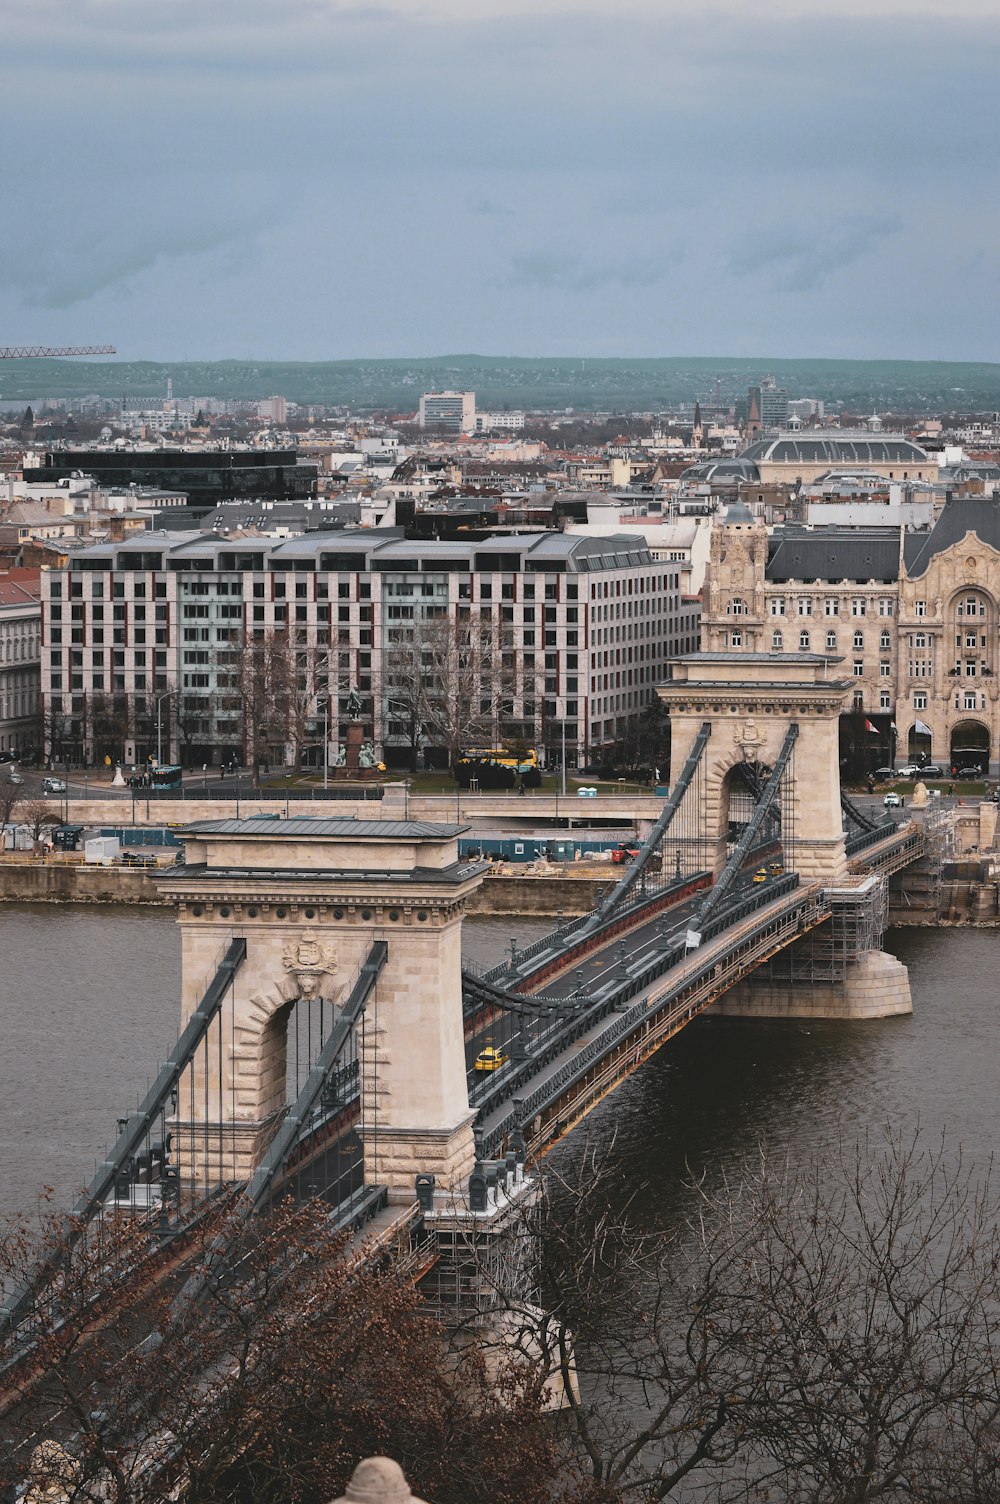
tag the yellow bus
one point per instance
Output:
(519, 762)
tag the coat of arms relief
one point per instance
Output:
(308, 960)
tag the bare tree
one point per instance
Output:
(824, 1335)
(10, 798)
(37, 815)
(450, 681)
(294, 1360)
(111, 718)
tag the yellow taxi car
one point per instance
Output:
(775, 869)
(490, 1059)
(760, 876)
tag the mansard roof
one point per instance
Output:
(840, 448)
(959, 515)
(833, 554)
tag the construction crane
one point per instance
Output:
(28, 352)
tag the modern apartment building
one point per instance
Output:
(20, 636)
(206, 476)
(229, 649)
(453, 411)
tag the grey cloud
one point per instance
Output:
(68, 273)
(802, 259)
(554, 271)
(491, 210)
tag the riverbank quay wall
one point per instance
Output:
(31, 881)
(393, 802)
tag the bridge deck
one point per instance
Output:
(571, 1081)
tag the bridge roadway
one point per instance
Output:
(655, 996)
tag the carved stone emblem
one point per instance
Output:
(309, 960)
(748, 736)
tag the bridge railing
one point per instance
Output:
(561, 943)
(870, 837)
(639, 1014)
(584, 1012)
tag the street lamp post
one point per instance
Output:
(564, 757)
(326, 742)
(159, 728)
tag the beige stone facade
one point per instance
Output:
(915, 623)
(310, 897)
(751, 702)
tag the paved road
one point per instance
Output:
(664, 932)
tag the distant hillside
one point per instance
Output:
(626, 385)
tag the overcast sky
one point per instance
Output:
(304, 179)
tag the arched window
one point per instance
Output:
(736, 638)
(736, 607)
(884, 642)
(831, 642)
(777, 641)
(859, 639)
(803, 642)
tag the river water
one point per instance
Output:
(88, 1009)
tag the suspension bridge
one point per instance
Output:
(329, 1033)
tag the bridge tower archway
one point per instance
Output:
(751, 700)
(310, 897)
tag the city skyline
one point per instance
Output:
(331, 181)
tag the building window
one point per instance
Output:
(970, 700)
(859, 668)
(884, 670)
(884, 642)
(883, 700)
(971, 669)
(859, 640)
(736, 607)
(885, 605)
(858, 606)
(737, 638)
(831, 642)
(859, 699)
(920, 700)
(920, 608)
(777, 641)
(831, 606)
(777, 605)
(803, 642)
(805, 605)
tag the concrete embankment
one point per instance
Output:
(56, 882)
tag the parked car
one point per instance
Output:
(884, 773)
(14, 776)
(909, 770)
(969, 775)
(892, 801)
(53, 786)
(932, 770)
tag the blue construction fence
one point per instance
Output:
(142, 835)
(548, 848)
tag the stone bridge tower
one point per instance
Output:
(310, 896)
(751, 699)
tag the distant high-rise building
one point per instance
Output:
(806, 408)
(767, 404)
(454, 411)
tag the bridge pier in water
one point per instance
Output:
(754, 703)
(309, 897)
(837, 970)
